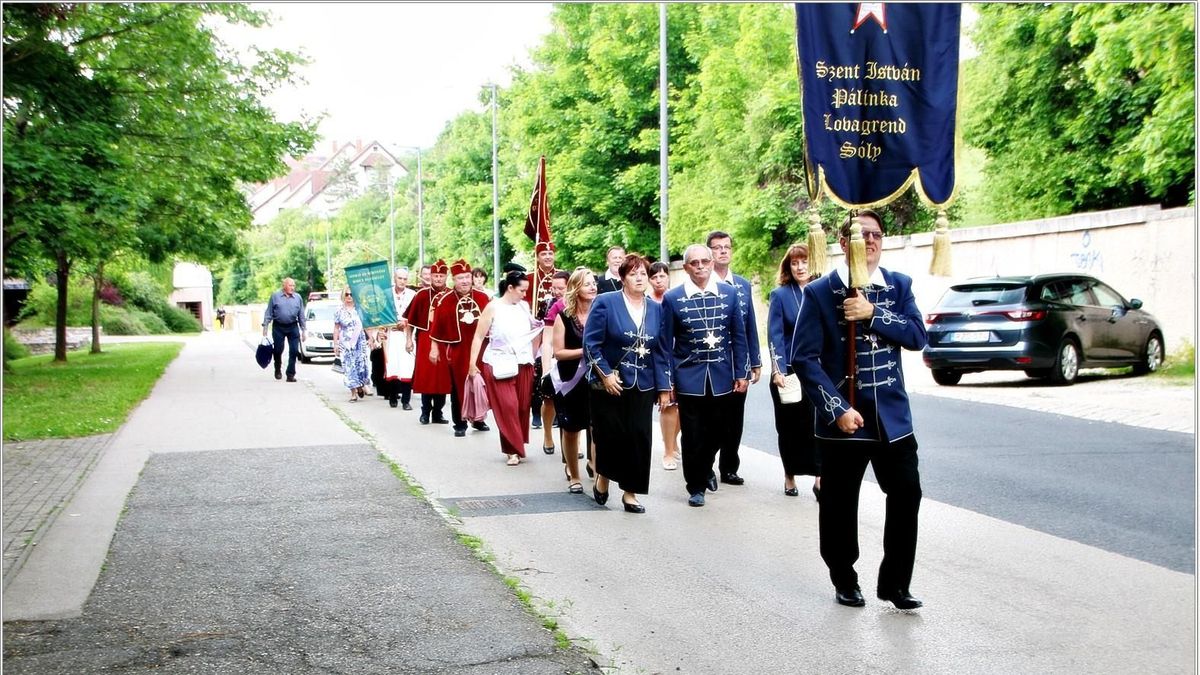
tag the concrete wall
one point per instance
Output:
(1143, 252)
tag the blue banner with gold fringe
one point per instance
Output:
(879, 84)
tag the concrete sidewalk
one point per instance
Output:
(235, 523)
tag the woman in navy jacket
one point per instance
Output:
(793, 421)
(626, 370)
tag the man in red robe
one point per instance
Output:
(540, 296)
(453, 329)
(430, 379)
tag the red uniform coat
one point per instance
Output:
(428, 378)
(542, 292)
(454, 321)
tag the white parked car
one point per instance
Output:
(318, 330)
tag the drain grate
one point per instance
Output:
(511, 505)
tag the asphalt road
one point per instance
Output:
(1120, 488)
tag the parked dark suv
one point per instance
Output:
(1049, 325)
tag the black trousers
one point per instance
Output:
(292, 333)
(404, 389)
(702, 421)
(456, 415)
(794, 426)
(843, 464)
(434, 402)
(731, 435)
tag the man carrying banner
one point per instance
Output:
(430, 379)
(453, 328)
(879, 87)
(400, 388)
(877, 428)
(540, 296)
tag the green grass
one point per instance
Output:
(1180, 366)
(89, 394)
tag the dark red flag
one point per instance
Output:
(537, 223)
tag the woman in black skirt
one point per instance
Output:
(570, 387)
(793, 421)
(626, 370)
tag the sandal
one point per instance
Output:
(513, 460)
(549, 449)
(576, 488)
(670, 464)
(353, 398)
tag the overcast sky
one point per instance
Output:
(396, 72)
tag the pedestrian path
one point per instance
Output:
(265, 535)
(739, 585)
(260, 534)
(40, 477)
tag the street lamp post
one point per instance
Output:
(495, 195)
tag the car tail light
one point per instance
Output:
(1021, 314)
(935, 317)
(1024, 360)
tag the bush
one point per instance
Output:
(179, 320)
(42, 302)
(123, 321)
(13, 349)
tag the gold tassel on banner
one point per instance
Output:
(856, 256)
(939, 264)
(818, 247)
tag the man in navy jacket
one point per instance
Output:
(877, 428)
(705, 338)
(721, 245)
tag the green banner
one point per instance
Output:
(371, 286)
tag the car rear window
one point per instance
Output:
(975, 295)
(321, 312)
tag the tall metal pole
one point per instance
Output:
(495, 196)
(328, 257)
(662, 131)
(392, 222)
(420, 216)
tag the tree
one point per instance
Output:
(128, 128)
(1083, 106)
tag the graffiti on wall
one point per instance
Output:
(1088, 258)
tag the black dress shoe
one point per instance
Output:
(424, 419)
(791, 491)
(732, 479)
(393, 403)
(406, 406)
(850, 597)
(459, 433)
(817, 492)
(712, 482)
(902, 599)
(601, 497)
(441, 420)
(633, 508)
(278, 374)
(291, 378)
(480, 426)
(696, 499)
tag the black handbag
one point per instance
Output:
(265, 353)
(337, 365)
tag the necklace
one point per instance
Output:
(468, 310)
(709, 315)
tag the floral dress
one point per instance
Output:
(353, 341)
